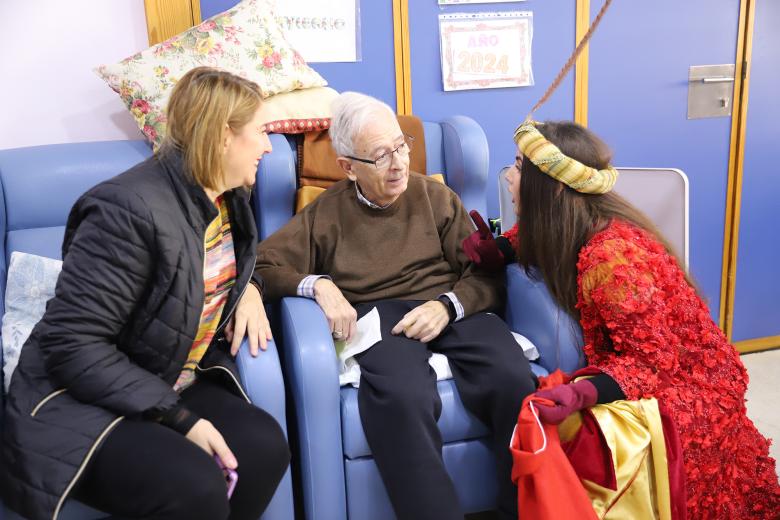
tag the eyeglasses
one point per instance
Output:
(383, 162)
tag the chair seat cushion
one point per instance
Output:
(456, 423)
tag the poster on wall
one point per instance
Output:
(322, 31)
(486, 50)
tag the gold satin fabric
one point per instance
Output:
(634, 433)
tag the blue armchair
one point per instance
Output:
(339, 478)
(38, 185)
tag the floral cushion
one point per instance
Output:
(245, 40)
(31, 281)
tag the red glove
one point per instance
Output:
(481, 247)
(568, 399)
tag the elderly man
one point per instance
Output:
(387, 238)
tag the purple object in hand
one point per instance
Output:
(568, 399)
(231, 476)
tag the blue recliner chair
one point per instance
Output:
(38, 186)
(339, 478)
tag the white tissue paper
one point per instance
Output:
(369, 334)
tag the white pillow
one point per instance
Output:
(30, 284)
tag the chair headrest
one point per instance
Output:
(317, 164)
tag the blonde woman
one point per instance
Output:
(126, 395)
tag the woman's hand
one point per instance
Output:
(249, 320)
(342, 317)
(566, 399)
(210, 440)
(481, 247)
(424, 323)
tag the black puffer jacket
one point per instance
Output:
(120, 326)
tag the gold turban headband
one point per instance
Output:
(548, 158)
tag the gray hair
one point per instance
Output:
(351, 111)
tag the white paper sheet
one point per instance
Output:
(321, 31)
(367, 335)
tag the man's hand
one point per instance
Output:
(342, 317)
(205, 435)
(249, 320)
(424, 323)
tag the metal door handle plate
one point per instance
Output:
(717, 80)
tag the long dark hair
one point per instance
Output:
(555, 221)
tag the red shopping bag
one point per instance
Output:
(547, 487)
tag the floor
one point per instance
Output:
(763, 402)
(763, 395)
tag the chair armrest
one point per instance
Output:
(311, 368)
(262, 379)
(276, 184)
(532, 312)
(467, 160)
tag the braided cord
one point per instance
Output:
(570, 62)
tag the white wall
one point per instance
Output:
(48, 48)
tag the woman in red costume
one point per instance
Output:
(646, 329)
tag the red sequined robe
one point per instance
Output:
(646, 327)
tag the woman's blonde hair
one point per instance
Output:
(203, 104)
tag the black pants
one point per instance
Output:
(399, 406)
(145, 470)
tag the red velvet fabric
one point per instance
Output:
(589, 454)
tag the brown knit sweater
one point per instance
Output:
(410, 250)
